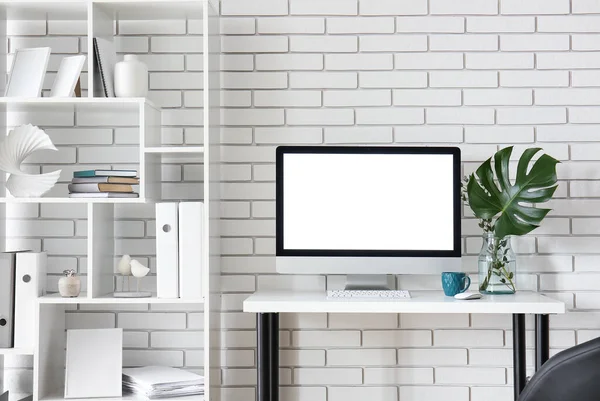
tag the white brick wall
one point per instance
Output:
(479, 74)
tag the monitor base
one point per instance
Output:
(369, 282)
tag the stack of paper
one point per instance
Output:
(155, 382)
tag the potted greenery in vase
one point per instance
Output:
(507, 209)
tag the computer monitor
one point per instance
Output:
(367, 210)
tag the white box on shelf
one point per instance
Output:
(94, 363)
(30, 284)
(7, 299)
(167, 253)
(191, 249)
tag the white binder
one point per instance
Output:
(30, 284)
(167, 254)
(191, 249)
(7, 298)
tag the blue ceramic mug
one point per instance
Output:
(455, 282)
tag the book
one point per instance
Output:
(105, 59)
(105, 173)
(104, 195)
(167, 250)
(191, 249)
(90, 188)
(106, 180)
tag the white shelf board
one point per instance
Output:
(109, 299)
(124, 398)
(41, 10)
(171, 150)
(75, 100)
(111, 103)
(16, 351)
(153, 9)
(71, 200)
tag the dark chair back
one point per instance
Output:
(571, 375)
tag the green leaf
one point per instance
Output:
(511, 203)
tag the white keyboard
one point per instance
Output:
(360, 294)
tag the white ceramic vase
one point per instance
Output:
(70, 285)
(131, 77)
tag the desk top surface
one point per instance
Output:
(420, 302)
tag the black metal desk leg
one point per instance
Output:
(267, 328)
(519, 357)
(542, 340)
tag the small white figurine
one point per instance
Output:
(128, 267)
(124, 265)
(138, 269)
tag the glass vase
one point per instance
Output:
(497, 266)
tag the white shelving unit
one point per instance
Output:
(100, 17)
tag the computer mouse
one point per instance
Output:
(468, 295)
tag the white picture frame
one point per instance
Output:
(27, 73)
(94, 363)
(67, 76)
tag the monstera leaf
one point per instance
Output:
(512, 204)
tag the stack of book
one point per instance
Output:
(104, 184)
(156, 382)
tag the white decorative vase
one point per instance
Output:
(131, 77)
(70, 285)
(16, 147)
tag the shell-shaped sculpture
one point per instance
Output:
(20, 143)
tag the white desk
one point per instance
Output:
(268, 304)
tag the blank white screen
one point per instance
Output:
(368, 202)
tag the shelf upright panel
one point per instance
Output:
(101, 249)
(150, 163)
(4, 209)
(3, 124)
(3, 48)
(101, 25)
(90, 45)
(49, 358)
(212, 198)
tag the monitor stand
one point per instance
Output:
(370, 282)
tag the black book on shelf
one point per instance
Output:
(99, 84)
(105, 58)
